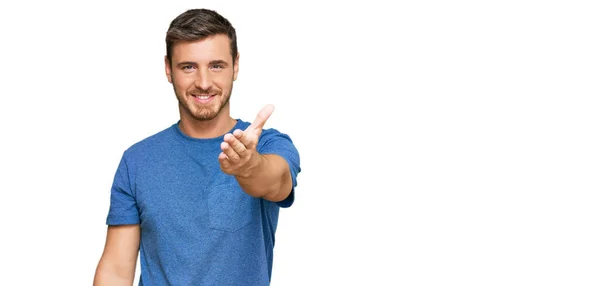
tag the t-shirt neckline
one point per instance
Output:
(188, 139)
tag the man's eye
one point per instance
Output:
(187, 67)
(217, 67)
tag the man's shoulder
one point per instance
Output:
(273, 133)
(157, 140)
(272, 139)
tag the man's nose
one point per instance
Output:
(203, 80)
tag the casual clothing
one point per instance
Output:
(198, 227)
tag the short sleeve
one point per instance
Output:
(275, 142)
(123, 208)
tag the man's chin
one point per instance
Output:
(204, 116)
(205, 113)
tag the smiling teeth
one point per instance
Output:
(203, 96)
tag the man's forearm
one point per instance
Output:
(110, 274)
(270, 179)
(106, 278)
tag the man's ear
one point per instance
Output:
(236, 66)
(168, 70)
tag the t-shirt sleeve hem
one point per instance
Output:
(121, 220)
(288, 202)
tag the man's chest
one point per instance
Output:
(193, 194)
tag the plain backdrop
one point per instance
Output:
(441, 142)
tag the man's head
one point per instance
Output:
(201, 62)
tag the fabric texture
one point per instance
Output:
(198, 227)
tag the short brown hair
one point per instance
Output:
(197, 24)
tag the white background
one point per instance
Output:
(441, 142)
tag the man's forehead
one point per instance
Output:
(207, 49)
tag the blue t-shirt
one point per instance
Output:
(198, 227)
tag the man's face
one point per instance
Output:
(202, 74)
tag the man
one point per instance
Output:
(200, 200)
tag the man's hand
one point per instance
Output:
(239, 156)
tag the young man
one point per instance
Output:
(200, 200)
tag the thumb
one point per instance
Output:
(261, 119)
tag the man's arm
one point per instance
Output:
(270, 179)
(265, 176)
(119, 259)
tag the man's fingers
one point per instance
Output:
(246, 138)
(237, 146)
(238, 133)
(223, 160)
(232, 156)
(261, 118)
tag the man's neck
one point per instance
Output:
(203, 129)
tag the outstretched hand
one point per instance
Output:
(239, 154)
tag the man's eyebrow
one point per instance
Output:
(213, 62)
(218, 62)
(186, 64)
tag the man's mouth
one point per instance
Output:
(203, 97)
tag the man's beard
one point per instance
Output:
(203, 113)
